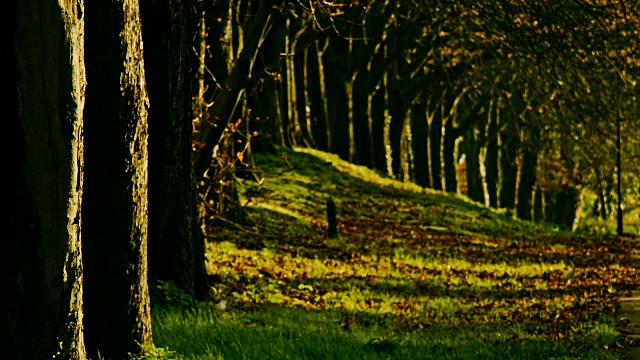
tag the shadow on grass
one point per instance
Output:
(274, 333)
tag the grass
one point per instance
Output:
(414, 274)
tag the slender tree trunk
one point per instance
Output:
(322, 82)
(176, 243)
(619, 224)
(304, 94)
(377, 117)
(474, 179)
(43, 50)
(509, 145)
(528, 167)
(449, 157)
(538, 205)
(420, 131)
(336, 94)
(361, 118)
(315, 89)
(267, 98)
(491, 170)
(116, 300)
(435, 147)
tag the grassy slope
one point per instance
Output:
(415, 274)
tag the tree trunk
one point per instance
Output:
(474, 179)
(375, 104)
(210, 132)
(42, 264)
(435, 143)
(116, 301)
(336, 94)
(420, 132)
(538, 205)
(267, 101)
(315, 89)
(176, 243)
(491, 154)
(509, 145)
(449, 157)
(527, 180)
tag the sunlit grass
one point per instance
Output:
(414, 274)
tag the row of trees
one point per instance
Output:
(537, 101)
(101, 195)
(517, 105)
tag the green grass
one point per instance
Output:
(414, 274)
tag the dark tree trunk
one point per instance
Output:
(538, 205)
(42, 263)
(267, 102)
(566, 206)
(435, 143)
(336, 96)
(449, 157)
(376, 113)
(361, 120)
(528, 168)
(316, 100)
(398, 114)
(176, 243)
(474, 179)
(116, 301)
(420, 133)
(491, 162)
(509, 145)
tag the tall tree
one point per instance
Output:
(43, 49)
(176, 243)
(116, 299)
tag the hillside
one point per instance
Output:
(414, 273)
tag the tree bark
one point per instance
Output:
(509, 145)
(43, 49)
(116, 300)
(474, 180)
(435, 143)
(449, 157)
(527, 181)
(420, 132)
(491, 153)
(176, 242)
(337, 100)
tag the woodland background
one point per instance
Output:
(131, 123)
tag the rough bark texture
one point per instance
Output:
(115, 203)
(43, 49)
(176, 243)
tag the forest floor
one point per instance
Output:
(414, 274)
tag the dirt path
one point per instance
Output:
(630, 313)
